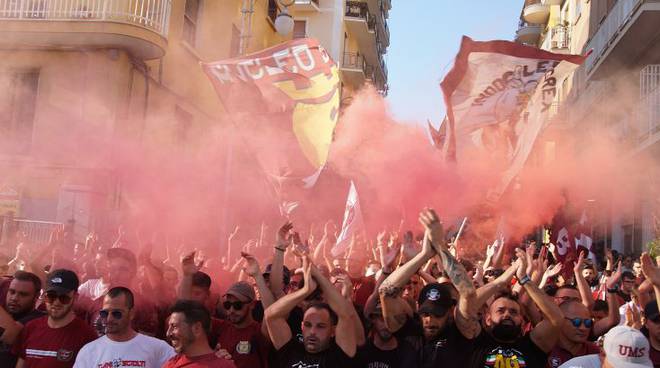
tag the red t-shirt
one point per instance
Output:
(559, 356)
(247, 346)
(41, 346)
(655, 356)
(202, 361)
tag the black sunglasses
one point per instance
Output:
(237, 305)
(52, 296)
(577, 322)
(115, 313)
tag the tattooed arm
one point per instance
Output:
(466, 313)
(395, 309)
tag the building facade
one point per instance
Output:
(615, 92)
(80, 75)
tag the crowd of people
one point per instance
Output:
(405, 302)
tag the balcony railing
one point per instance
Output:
(359, 9)
(150, 14)
(615, 21)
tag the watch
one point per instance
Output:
(524, 280)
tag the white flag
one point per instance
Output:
(352, 220)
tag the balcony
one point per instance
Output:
(528, 34)
(354, 69)
(552, 2)
(627, 37)
(560, 39)
(306, 5)
(361, 26)
(139, 26)
(535, 12)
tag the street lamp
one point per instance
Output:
(284, 21)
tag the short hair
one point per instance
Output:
(505, 295)
(321, 305)
(627, 275)
(600, 306)
(201, 279)
(568, 286)
(193, 312)
(120, 290)
(30, 277)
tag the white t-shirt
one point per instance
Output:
(140, 351)
(93, 289)
(585, 361)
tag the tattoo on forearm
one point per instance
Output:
(456, 272)
(388, 290)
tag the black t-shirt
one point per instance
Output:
(404, 356)
(486, 352)
(294, 355)
(294, 320)
(449, 346)
(7, 360)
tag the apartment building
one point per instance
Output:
(80, 73)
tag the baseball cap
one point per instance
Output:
(436, 299)
(651, 310)
(286, 273)
(626, 347)
(242, 290)
(62, 281)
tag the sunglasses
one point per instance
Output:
(63, 298)
(577, 322)
(115, 313)
(236, 305)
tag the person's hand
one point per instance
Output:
(529, 257)
(251, 265)
(613, 280)
(233, 233)
(579, 264)
(429, 219)
(553, 270)
(388, 257)
(380, 238)
(329, 228)
(609, 255)
(521, 272)
(650, 270)
(283, 238)
(222, 353)
(633, 317)
(309, 282)
(299, 249)
(188, 265)
(346, 285)
(491, 249)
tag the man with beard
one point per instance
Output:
(188, 330)
(329, 330)
(22, 295)
(121, 345)
(53, 341)
(574, 335)
(240, 335)
(440, 330)
(502, 343)
(383, 349)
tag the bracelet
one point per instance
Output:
(613, 290)
(280, 249)
(524, 280)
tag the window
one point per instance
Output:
(235, 45)
(17, 106)
(190, 20)
(299, 29)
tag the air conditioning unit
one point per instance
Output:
(560, 38)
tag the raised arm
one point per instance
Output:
(546, 333)
(252, 269)
(283, 240)
(652, 272)
(582, 284)
(395, 309)
(275, 316)
(188, 269)
(349, 331)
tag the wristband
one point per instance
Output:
(524, 280)
(280, 249)
(613, 290)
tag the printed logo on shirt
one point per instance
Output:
(555, 362)
(116, 363)
(243, 347)
(505, 358)
(64, 355)
(378, 365)
(304, 365)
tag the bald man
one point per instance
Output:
(574, 335)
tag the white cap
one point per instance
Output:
(626, 347)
